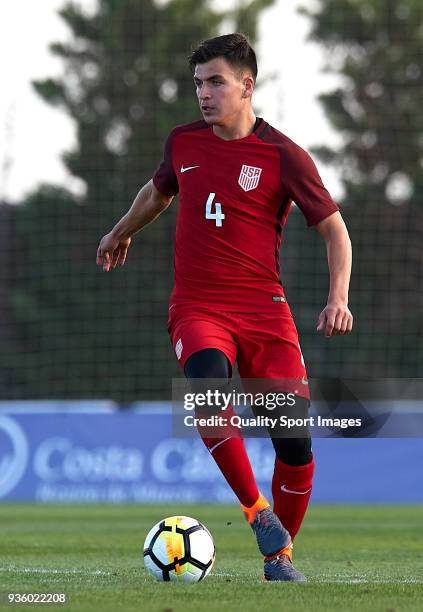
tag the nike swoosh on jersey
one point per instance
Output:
(286, 490)
(188, 168)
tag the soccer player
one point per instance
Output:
(237, 177)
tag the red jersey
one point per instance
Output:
(234, 199)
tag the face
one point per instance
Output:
(223, 93)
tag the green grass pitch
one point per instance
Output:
(355, 558)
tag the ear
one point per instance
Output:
(248, 83)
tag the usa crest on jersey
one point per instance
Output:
(249, 177)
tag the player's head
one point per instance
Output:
(225, 72)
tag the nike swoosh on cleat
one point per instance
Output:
(285, 489)
(188, 168)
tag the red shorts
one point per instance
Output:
(264, 345)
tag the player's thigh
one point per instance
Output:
(269, 347)
(270, 351)
(190, 334)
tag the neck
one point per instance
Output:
(240, 129)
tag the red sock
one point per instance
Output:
(228, 450)
(291, 490)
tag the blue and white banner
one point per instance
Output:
(93, 452)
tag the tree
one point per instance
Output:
(125, 84)
(375, 48)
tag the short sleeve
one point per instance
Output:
(304, 185)
(164, 178)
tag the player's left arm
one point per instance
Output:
(336, 318)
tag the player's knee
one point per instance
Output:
(293, 451)
(208, 363)
(208, 370)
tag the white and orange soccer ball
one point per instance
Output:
(179, 548)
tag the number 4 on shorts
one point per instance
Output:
(218, 216)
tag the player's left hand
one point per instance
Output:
(335, 319)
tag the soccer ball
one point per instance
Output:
(179, 548)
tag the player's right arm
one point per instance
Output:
(147, 206)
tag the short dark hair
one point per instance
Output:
(234, 48)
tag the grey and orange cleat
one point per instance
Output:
(280, 568)
(272, 537)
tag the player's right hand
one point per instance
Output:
(112, 252)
